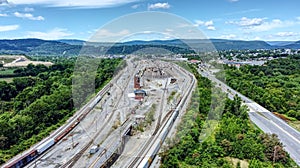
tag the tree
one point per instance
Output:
(273, 148)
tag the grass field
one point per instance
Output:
(7, 71)
(8, 80)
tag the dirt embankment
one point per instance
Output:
(21, 61)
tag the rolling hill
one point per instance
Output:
(38, 47)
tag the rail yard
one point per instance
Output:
(125, 124)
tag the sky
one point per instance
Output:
(268, 20)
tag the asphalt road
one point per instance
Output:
(265, 120)
(291, 143)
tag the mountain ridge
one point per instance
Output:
(33, 46)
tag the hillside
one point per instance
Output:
(295, 45)
(34, 47)
(37, 47)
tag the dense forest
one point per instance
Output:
(38, 47)
(235, 141)
(276, 85)
(38, 102)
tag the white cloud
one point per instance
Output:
(208, 24)
(233, 0)
(28, 16)
(8, 28)
(266, 26)
(72, 3)
(3, 15)
(199, 23)
(246, 22)
(159, 6)
(228, 36)
(211, 28)
(54, 34)
(27, 9)
(135, 6)
(260, 24)
(286, 34)
(3, 2)
(257, 38)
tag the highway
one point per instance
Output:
(264, 119)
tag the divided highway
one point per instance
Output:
(264, 119)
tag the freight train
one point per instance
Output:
(34, 153)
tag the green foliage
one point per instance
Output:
(235, 137)
(275, 86)
(171, 96)
(31, 107)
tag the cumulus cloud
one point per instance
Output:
(8, 28)
(246, 22)
(208, 24)
(28, 16)
(72, 3)
(159, 6)
(3, 15)
(54, 34)
(275, 23)
(260, 24)
(211, 28)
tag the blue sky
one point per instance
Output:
(267, 20)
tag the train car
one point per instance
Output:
(46, 145)
(83, 115)
(23, 160)
(147, 160)
(65, 132)
(95, 101)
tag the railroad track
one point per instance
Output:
(106, 149)
(76, 157)
(75, 119)
(149, 141)
(161, 110)
(179, 105)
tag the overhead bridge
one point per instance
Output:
(109, 155)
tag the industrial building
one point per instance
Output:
(140, 94)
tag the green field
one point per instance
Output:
(8, 71)
(8, 80)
